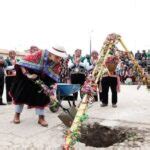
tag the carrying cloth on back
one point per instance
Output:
(39, 62)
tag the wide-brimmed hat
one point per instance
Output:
(58, 51)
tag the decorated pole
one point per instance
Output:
(74, 133)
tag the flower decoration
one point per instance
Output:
(89, 86)
(49, 91)
(112, 38)
(75, 134)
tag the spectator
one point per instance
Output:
(10, 73)
(110, 80)
(144, 54)
(138, 55)
(92, 60)
(3, 64)
(120, 70)
(148, 61)
(77, 69)
(143, 62)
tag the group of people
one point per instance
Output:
(142, 57)
(79, 67)
(28, 78)
(125, 67)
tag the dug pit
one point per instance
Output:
(96, 135)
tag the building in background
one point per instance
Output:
(5, 52)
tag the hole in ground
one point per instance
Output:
(96, 135)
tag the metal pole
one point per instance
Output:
(91, 41)
(90, 44)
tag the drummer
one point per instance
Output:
(77, 69)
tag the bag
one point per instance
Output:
(111, 67)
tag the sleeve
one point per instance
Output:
(83, 62)
(70, 64)
(5, 64)
(87, 65)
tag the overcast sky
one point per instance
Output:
(71, 23)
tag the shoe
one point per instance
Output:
(104, 105)
(42, 121)
(16, 118)
(114, 105)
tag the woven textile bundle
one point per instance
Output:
(111, 63)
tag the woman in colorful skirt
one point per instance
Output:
(40, 66)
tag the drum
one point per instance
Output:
(78, 70)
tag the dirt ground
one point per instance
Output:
(133, 112)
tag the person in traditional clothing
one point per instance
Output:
(32, 69)
(92, 60)
(77, 69)
(10, 73)
(110, 79)
(120, 71)
(3, 65)
(148, 61)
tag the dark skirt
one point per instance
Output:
(25, 91)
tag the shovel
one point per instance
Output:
(68, 115)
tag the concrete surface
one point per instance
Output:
(133, 111)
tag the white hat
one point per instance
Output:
(58, 51)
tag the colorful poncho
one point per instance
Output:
(40, 62)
